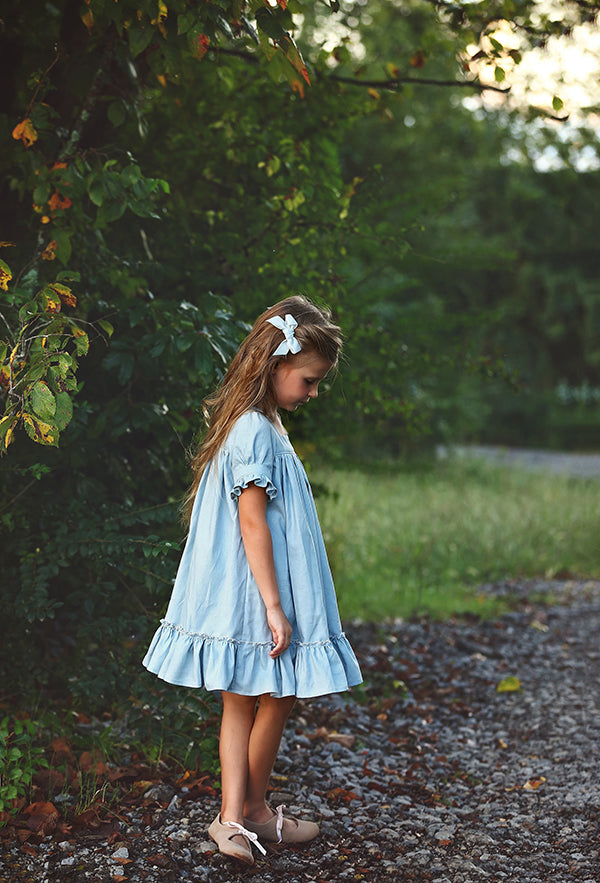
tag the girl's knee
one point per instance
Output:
(282, 704)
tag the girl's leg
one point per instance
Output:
(236, 726)
(265, 737)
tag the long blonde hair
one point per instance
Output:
(248, 381)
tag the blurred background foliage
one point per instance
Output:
(183, 164)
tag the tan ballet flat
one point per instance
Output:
(283, 829)
(224, 832)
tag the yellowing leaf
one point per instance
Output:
(87, 18)
(13, 355)
(39, 431)
(298, 87)
(82, 342)
(5, 275)
(50, 301)
(58, 202)
(202, 44)
(65, 294)
(509, 685)
(25, 132)
(7, 428)
(418, 59)
(49, 253)
(9, 436)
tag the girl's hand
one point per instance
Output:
(280, 629)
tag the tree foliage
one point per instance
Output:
(185, 163)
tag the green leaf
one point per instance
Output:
(96, 190)
(82, 342)
(106, 327)
(64, 410)
(68, 276)
(110, 212)
(269, 24)
(140, 36)
(41, 194)
(130, 175)
(36, 370)
(185, 22)
(43, 401)
(499, 74)
(116, 113)
(557, 103)
(64, 249)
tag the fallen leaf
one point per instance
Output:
(377, 786)
(160, 860)
(509, 685)
(342, 794)
(142, 786)
(346, 739)
(533, 784)
(43, 817)
(93, 761)
(49, 780)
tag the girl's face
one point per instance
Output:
(296, 381)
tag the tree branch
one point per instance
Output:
(397, 82)
(377, 84)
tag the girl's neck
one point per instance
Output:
(278, 424)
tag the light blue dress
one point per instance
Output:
(215, 633)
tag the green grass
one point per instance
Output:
(403, 543)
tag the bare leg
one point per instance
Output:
(265, 737)
(236, 727)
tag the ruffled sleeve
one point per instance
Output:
(250, 447)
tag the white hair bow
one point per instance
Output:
(288, 326)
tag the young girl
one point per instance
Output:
(253, 611)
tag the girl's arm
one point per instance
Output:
(258, 545)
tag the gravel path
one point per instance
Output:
(428, 774)
(577, 465)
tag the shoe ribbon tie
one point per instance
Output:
(279, 822)
(249, 834)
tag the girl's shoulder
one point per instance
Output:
(251, 425)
